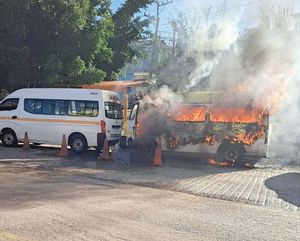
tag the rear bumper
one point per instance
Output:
(113, 142)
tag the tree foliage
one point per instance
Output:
(50, 42)
(128, 28)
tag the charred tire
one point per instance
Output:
(234, 153)
(78, 143)
(9, 138)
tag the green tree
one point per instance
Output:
(49, 42)
(128, 28)
(44, 42)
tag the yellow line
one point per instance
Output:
(58, 121)
(4, 236)
(5, 118)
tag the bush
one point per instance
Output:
(3, 94)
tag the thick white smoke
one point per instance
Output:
(259, 68)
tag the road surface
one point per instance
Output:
(51, 204)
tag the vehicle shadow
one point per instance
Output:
(286, 186)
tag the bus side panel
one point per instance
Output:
(198, 148)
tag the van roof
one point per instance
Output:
(61, 93)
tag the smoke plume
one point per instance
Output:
(259, 68)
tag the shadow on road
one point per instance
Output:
(286, 186)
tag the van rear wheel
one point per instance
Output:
(9, 138)
(78, 143)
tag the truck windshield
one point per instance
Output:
(113, 110)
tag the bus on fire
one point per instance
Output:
(228, 133)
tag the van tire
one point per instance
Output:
(78, 143)
(234, 153)
(9, 138)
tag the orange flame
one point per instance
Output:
(215, 115)
(190, 113)
(236, 115)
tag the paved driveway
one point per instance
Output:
(278, 188)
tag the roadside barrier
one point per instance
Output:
(102, 143)
(64, 147)
(157, 160)
(105, 151)
(26, 145)
(102, 126)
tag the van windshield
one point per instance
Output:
(113, 110)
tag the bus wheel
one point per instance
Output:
(233, 153)
(78, 143)
(9, 138)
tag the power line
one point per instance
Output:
(238, 6)
(226, 9)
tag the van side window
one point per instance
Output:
(76, 108)
(113, 111)
(47, 106)
(91, 108)
(83, 108)
(9, 104)
(62, 107)
(33, 106)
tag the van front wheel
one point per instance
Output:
(78, 143)
(9, 138)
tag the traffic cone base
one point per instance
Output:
(105, 151)
(64, 148)
(26, 145)
(157, 156)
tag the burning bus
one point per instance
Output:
(225, 132)
(229, 133)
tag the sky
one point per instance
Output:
(242, 12)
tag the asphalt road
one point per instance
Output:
(40, 204)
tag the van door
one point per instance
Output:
(132, 121)
(113, 119)
(9, 115)
(35, 120)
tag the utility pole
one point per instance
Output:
(174, 25)
(159, 4)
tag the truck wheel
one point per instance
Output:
(234, 153)
(9, 138)
(78, 143)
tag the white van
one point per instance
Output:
(48, 114)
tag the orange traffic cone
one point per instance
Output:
(64, 148)
(105, 151)
(26, 145)
(157, 156)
